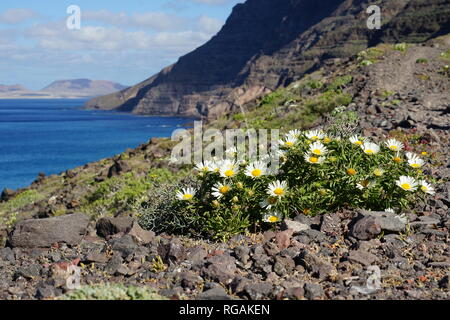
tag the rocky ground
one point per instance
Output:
(350, 254)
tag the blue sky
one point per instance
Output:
(122, 41)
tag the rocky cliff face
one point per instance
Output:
(269, 43)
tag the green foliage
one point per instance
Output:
(112, 292)
(315, 84)
(9, 209)
(117, 194)
(402, 47)
(422, 61)
(348, 173)
(445, 55)
(340, 83)
(162, 213)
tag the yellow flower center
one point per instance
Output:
(351, 171)
(406, 186)
(278, 191)
(359, 143)
(365, 183)
(415, 165)
(424, 188)
(224, 189)
(378, 172)
(326, 140)
(397, 159)
(289, 144)
(315, 138)
(273, 219)
(188, 196)
(229, 173)
(256, 173)
(393, 148)
(424, 153)
(314, 159)
(369, 151)
(317, 152)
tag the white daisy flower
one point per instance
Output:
(378, 172)
(273, 217)
(365, 184)
(228, 169)
(370, 148)
(256, 169)
(294, 133)
(426, 187)
(204, 166)
(357, 140)
(186, 194)
(394, 145)
(315, 135)
(220, 189)
(410, 155)
(407, 183)
(268, 203)
(389, 210)
(313, 159)
(415, 162)
(318, 149)
(277, 189)
(288, 142)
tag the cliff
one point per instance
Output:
(270, 43)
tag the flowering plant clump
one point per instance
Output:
(318, 173)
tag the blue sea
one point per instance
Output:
(51, 136)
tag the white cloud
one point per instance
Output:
(16, 16)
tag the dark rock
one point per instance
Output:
(313, 235)
(238, 284)
(363, 257)
(295, 226)
(331, 224)
(217, 293)
(318, 267)
(262, 263)
(141, 235)
(220, 268)
(196, 255)
(242, 253)
(114, 264)
(7, 254)
(258, 291)
(34, 233)
(313, 291)
(118, 168)
(388, 221)
(111, 226)
(366, 228)
(190, 280)
(47, 291)
(96, 257)
(172, 252)
(7, 194)
(283, 265)
(445, 282)
(29, 272)
(125, 245)
(294, 293)
(283, 239)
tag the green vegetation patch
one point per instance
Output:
(113, 292)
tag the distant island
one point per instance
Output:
(68, 89)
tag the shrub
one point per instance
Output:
(401, 47)
(163, 213)
(422, 61)
(112, 292)
(319, 174)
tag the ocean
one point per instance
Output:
(52, 136)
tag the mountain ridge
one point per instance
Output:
(266, 44)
